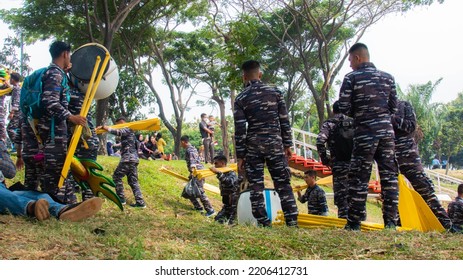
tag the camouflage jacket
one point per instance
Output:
(15, 94)
(54, 97)
(369, 96)
(261, 121)
(455, 211)
(404, 120)
(228, 182)
(128, 144)
(192, 158)
(326, 136)
(316, 200)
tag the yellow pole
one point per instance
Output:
(89, 95)
(153, 124)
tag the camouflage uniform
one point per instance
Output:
(192, 161)
(31, 152)
(316, 201)
(369, 97)
(456, 212)
(13, 126)
(229, 192)
(52, 126)
(268, 132)
(75, 106)
(3, 134)
(128, 166)
(404, 123)
(340, 168)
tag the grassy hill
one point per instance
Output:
(169, 229)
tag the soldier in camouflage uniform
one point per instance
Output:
(339, 163)
(52, 126)
(456, 209)
(314, 195)
(128, 166)
(4, 85)
(266, 139)
(193, 161)
(404, 123)
(88, 137)
(13, 125)
(369, 97)
(228, 190)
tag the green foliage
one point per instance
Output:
(428, 115)
(10, 58)
(130, 96)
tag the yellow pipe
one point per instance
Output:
(149, 124)
(203, 173)
(5, 91)
(89, 96)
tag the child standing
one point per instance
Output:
(128, 166)
(193, 161)
(314, 195)
(228, 191)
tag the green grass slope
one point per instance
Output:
(169, 229)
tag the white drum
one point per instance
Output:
(244, 211)
(83, 61)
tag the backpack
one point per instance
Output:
(31, 93)
(344, 139)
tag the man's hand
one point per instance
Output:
(77, 120)
(213, 169)
(288, 152)
(299, 195)
(241, 162)
(19, 163)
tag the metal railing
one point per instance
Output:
(304, 140)
(438, 177)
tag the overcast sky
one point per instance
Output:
(422, 45)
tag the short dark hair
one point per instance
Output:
(185, 138)
(311, 173)
(221, 158)
(336, 107)
(357, 47)
(203, 115)
(250, 65)
(460, 189)
(120, 119)
(15, 76)
(58, 47)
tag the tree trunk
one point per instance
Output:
(224, 129)
(101, 118)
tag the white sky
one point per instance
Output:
(420, 46)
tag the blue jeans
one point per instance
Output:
(16, 202)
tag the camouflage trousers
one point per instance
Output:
(277, 165)
(129, 169)
(55, 150)
(229, 208)
(13, 127)
(203, 198)
(366, 149)
(410, 166)
(340, 172)
(33, 172)
(3, 133)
